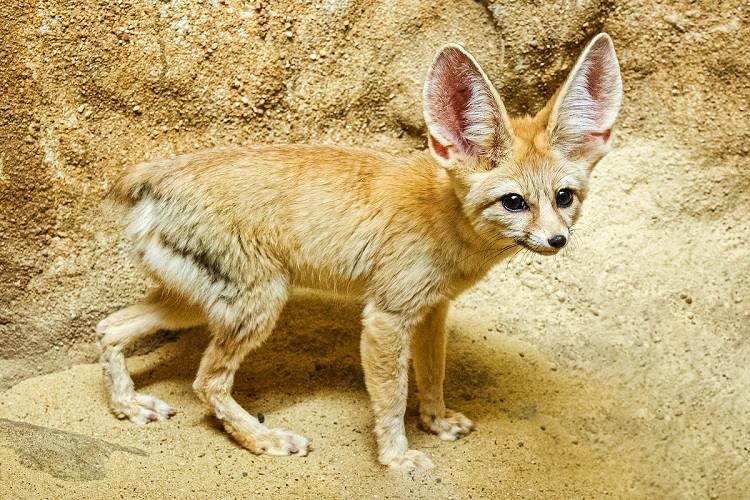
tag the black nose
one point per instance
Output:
(557, 241)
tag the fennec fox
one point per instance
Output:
(227, 233)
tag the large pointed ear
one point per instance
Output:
(583, 116)
(465, 117)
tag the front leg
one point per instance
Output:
(428, 355)
(385, 359)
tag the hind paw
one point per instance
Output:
(142, 409)
(409, 459)
(264, 441)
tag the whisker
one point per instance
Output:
(576, 238)
(489, 248)
(498, 254)
(483, 250)
(586, 225)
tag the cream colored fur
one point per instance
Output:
(228, 233)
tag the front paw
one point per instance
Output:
(451, 426)
(409, 459)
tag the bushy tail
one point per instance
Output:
(138, 182)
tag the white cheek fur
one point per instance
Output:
(505, 223)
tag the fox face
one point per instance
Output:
(532, 211)
(522, 181)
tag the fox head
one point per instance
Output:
(522, 180)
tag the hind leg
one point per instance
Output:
(158, 311)
(238, 327)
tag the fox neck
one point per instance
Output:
(470, 254)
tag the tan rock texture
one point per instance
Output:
(617, 369)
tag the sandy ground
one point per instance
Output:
(616, 369)
(599, 373)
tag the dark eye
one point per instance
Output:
(514, 202)
(564, 198)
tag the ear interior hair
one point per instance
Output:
(465, 117)
(582, 119)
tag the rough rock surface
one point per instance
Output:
(616, 369)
